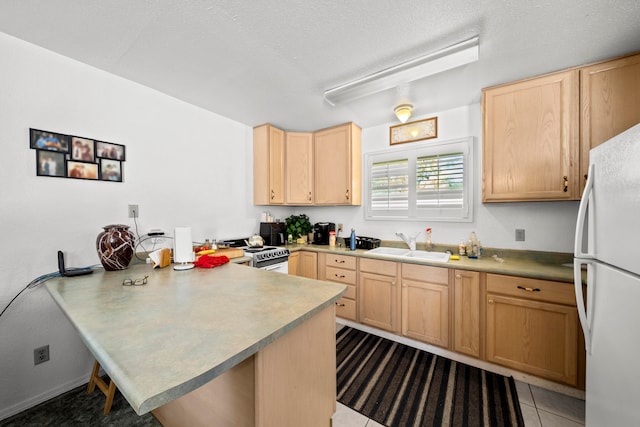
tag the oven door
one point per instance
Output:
(281, 267)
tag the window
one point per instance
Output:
(430, 181)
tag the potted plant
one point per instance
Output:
(298, 226)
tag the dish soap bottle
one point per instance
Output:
(429, 245)
(352, 240)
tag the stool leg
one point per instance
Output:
(94, 375)
(110, 394)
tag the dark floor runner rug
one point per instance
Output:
(398, 385)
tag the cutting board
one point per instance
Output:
(229, 252)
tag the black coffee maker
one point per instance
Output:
(321, 232)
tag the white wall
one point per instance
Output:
(184, 166)
(549, 226)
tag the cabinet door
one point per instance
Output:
(530, 139)
(425, 312)
(294, 264)
(466, 308)
(308, 266)
(379, 301)
(337, 165)
(268, 165)
(299, 168)
(609, 104)
(534, 337)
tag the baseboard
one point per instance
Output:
(42, 397)
(487, 366)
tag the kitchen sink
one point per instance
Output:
(389, 251)
(429, 256)
(406, 253)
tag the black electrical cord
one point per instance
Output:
(144, 238)
(34, 283)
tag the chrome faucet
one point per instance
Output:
(409, 240)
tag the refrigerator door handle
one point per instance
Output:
(582, 213)
(585, 318)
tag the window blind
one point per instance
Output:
(440, 181)
(390, 185)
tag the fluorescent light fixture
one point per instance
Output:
(433, 63)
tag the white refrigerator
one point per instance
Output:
(607, 241)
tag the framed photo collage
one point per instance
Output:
(68, 156)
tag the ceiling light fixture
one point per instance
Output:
(403, 112)
(442, 60)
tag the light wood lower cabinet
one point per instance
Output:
(527, 332)
(341, 269)
(379, 294)
(425, 303)
(466, 309)
(304, 264)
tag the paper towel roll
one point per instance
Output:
(183, 245)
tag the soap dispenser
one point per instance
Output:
(428, 244)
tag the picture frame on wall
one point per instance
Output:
(83, 149)
(82, 170)
(45, 140)
(414, 131)
(110, 170)
(50, 163)
(109, 150)
(69, 156)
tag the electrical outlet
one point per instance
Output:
(133, 211)
(339, 227)
(519, 234)
(41, 355)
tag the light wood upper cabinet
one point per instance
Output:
(466, 308)
(530, 139)
(610, 103)
(425, 303)
(268, 165)
(338, 165)
(299, 168)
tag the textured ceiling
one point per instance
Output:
(271, 60)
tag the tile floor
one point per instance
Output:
(540, 408)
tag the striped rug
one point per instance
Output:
(398, 385)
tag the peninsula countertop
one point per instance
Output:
(182, 329)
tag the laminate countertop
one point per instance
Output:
(534, 264)
(182, 329)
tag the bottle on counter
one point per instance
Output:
(332, 239)
(462, 248)
(352, 240)
(428, 244)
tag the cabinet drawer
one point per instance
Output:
(341, 261)
(340, 275)
(425, 273)
(533, 289)
(387, 268)
(346, 308)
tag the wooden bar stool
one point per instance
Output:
(108, 391)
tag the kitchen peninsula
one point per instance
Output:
(211, 346)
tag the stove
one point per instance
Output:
(268, 257)
(272, 258)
